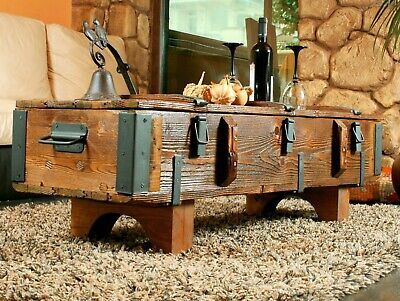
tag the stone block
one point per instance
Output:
(389, 94)
(394, 51)
(144, 88)
(391, 131)
(359, 3)
(143, 31)
(336, 30)
(97, 3)
(138, 58)
(307, 29)
(381, 28)
(85, 13)
(313, 62)
(321, 9)
(349, 99)
(141, 5)
(314, 90)
(359, 66)
(122, 20)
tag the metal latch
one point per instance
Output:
(357, 137)
(66, 137)
(200, 136)
(289, 135)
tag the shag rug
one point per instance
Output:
(290, 256)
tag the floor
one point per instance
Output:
(388, 289)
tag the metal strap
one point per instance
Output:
(362, 169)
(176, 180)
(300, 176)
(378, 149)
(19, 146)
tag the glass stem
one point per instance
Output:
(232, 61)
(296, 59)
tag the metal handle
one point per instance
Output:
(358, 135)
(288, 138)
(49, 140)
(199, 141)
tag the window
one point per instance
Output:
(198, 27)
(222, 20)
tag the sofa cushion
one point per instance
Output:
(6, 118)
(23, 59)
(70, 64)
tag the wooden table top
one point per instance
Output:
(174, 102)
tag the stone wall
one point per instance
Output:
(344, 64)
(129, 19)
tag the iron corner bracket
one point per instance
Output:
(19, 146)
(133, 153)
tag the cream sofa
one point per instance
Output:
(39, 61)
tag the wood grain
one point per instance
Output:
(331, 204)
(180, 103)
(156, 152)
(168, 228)
(262, 204)
(262, 168)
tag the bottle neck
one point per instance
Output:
(262, 38)
(262, 30)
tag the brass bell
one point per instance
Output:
(101, 87)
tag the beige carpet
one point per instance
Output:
(234, 257)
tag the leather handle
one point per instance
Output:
(227, 151)
(339, 148)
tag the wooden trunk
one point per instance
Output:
(193, 152)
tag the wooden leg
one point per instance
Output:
(262, 204)
(330, 203)
(169, 228)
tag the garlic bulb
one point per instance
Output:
(222, 93)
(200, 91)
(241, 98)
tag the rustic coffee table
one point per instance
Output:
(151, 156)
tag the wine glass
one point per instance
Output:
(232, 47)
(294, 93)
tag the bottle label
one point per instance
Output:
(252, 80)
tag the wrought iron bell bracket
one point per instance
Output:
(98, 37)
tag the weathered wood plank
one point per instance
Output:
(156, 152)
(180, 103)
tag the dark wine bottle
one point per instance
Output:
(261, 66)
